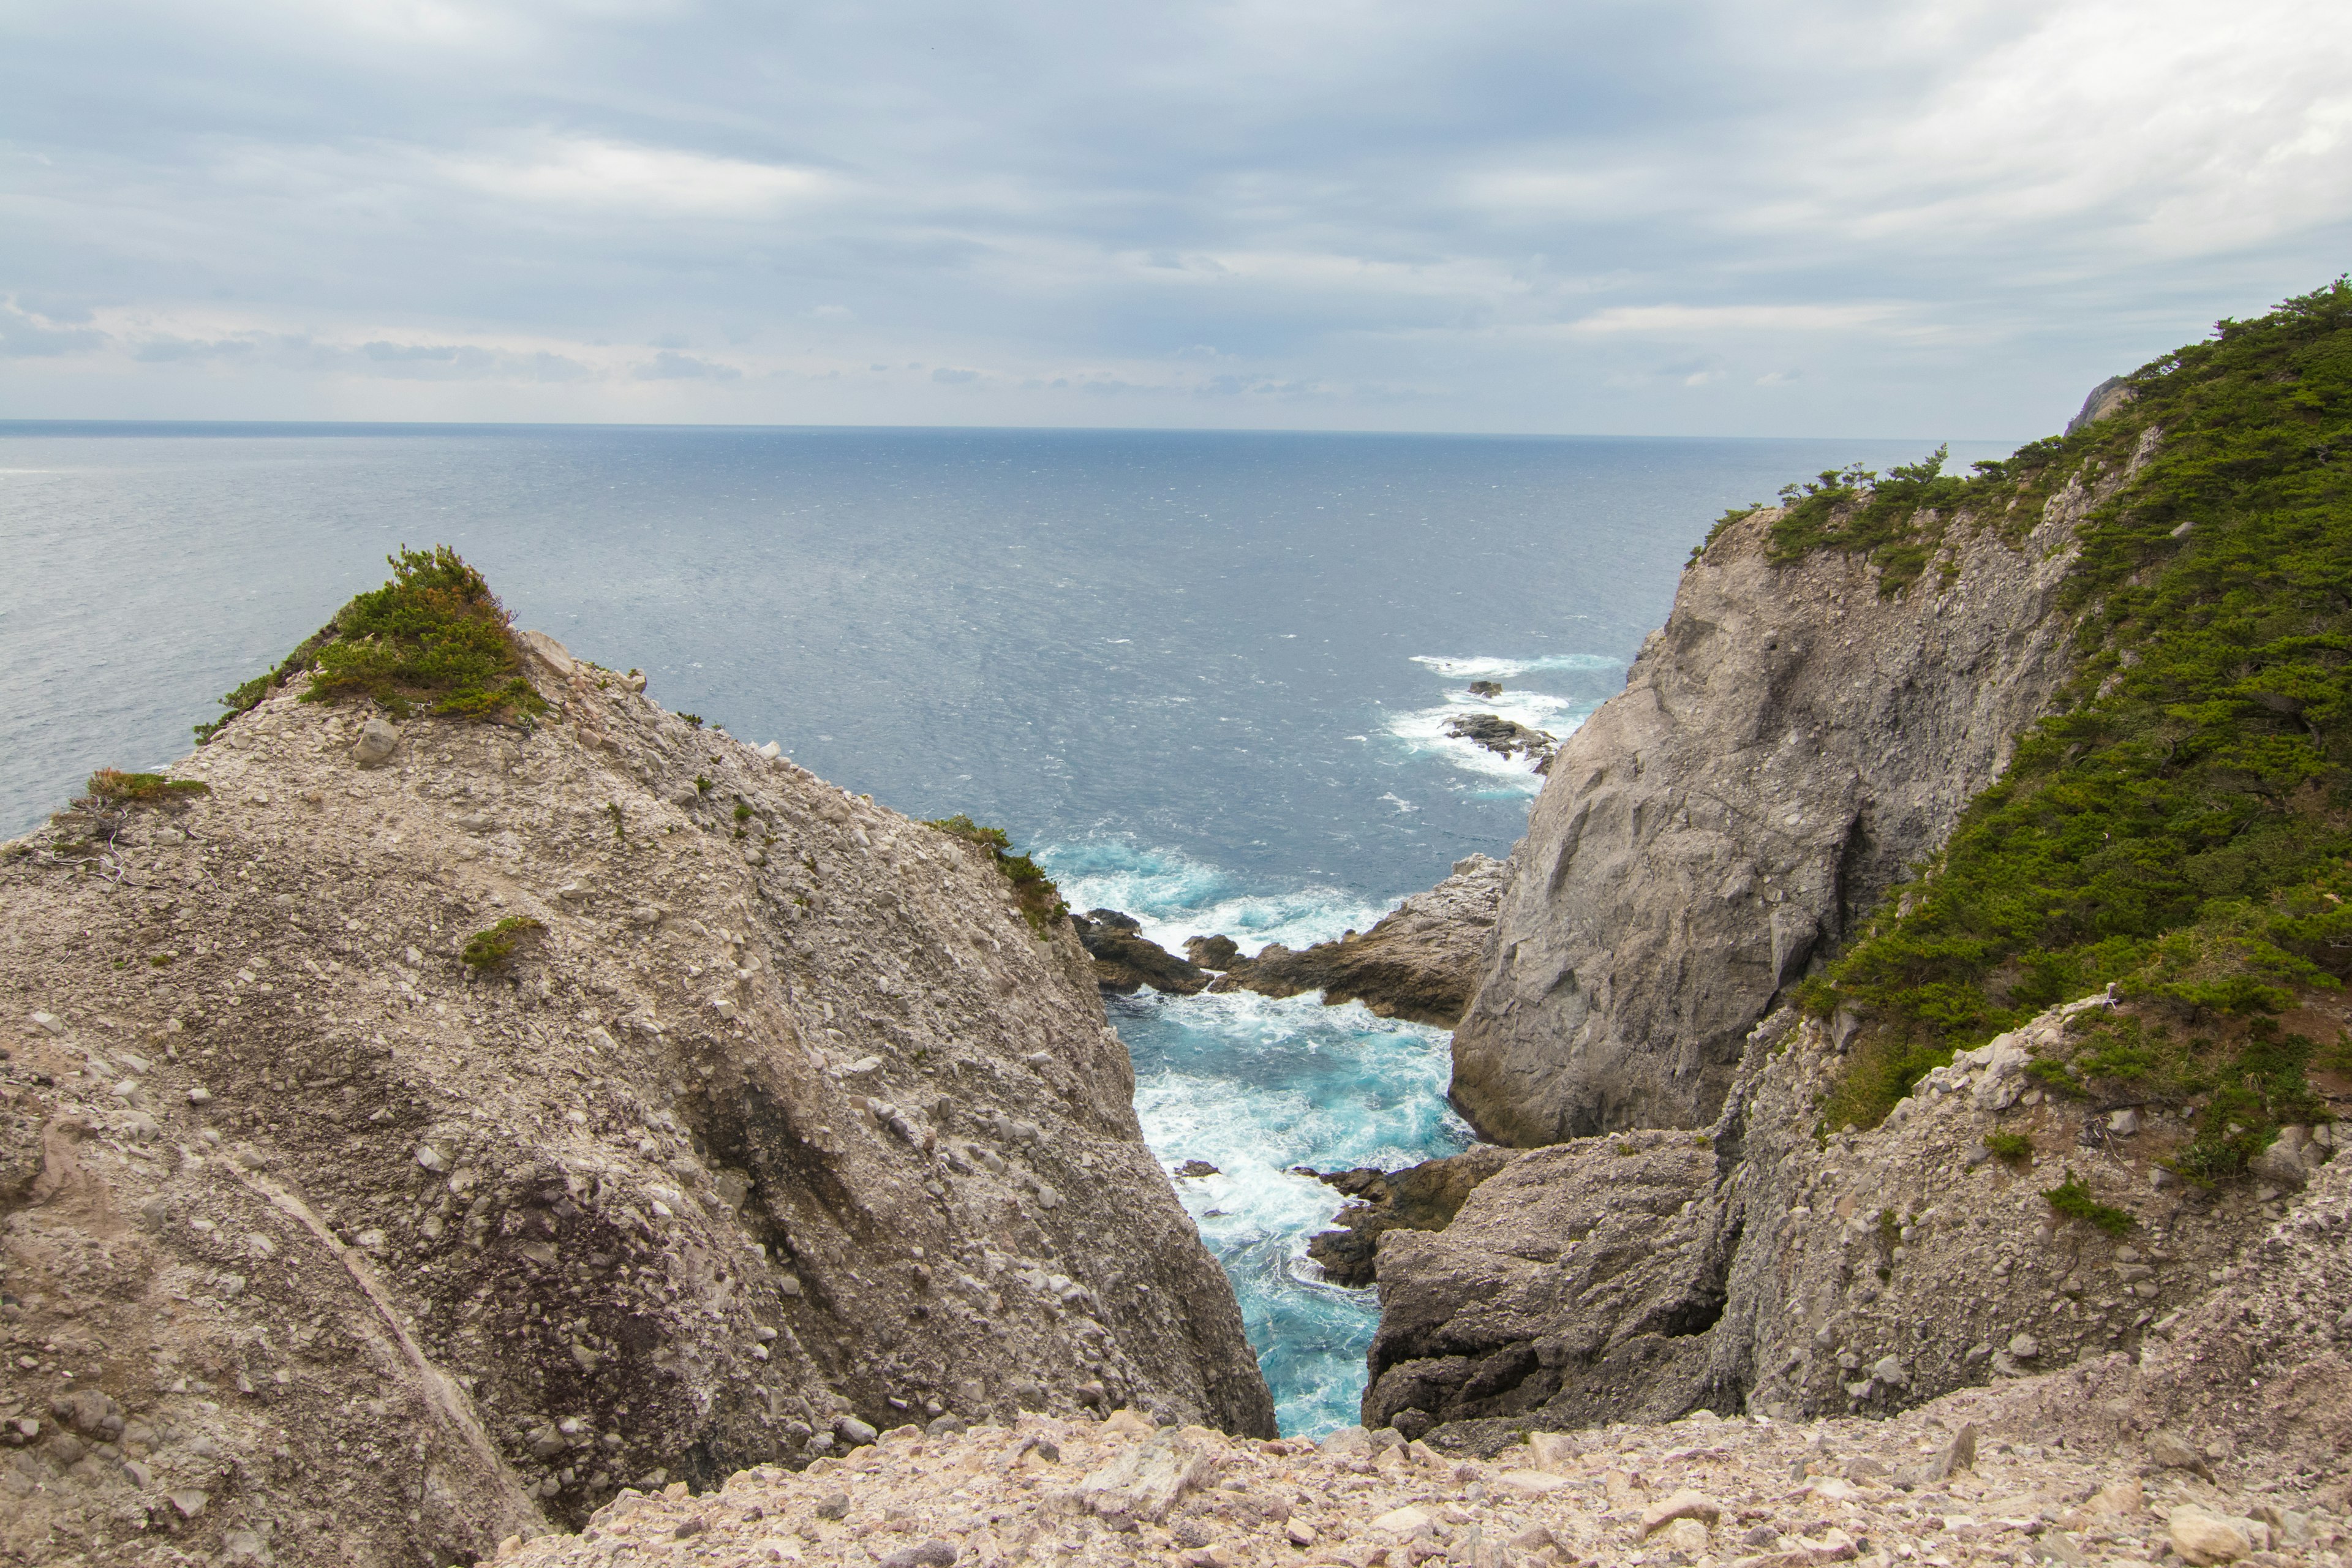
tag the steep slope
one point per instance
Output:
(333, 1230)
(1784, 750)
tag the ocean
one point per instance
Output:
(1205, 677)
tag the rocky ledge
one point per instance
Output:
(414, 1134)
(1420, 961)
(2038, 1471)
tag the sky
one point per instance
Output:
(1786, 218)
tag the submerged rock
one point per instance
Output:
(1420, 962)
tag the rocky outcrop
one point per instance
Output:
(1785, 749)
(1419, 1198)
(1420, 961)
(437, 1127)
(1758, 1266)
(1126, 960)
(1504, 737)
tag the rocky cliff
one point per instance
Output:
(414, 1133)
(1786, 748)
(1756, 1266)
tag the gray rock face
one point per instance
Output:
(780, 1131)
(1784, 749)
(1579, 1279)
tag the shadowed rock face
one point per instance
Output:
(775, 1128)
(1420, 961)
(1785, 748)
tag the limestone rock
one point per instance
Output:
(1574, 1285)
(2201, 1536)
(551, 1230)
(1784, 749)
(1419, 1197)
(377, 741)
(1420, 961)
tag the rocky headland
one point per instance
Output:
(412, 1133)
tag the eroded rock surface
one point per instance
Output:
(1126, 960)
(1420, 961)
(1756, 1266)
(1785, 748)
(781, 1126)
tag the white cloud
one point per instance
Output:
(575, 172)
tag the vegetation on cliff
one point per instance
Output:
(2181, 825)
(434, 636)
(1040, 901)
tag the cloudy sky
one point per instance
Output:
(1834, 218)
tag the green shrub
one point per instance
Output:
(742, 812)
(2015, 1148)
(434, 635)
(2180, 824)
(1040, 901)
(113, 787)
(493, 947)
(2074, 1200)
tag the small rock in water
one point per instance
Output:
(1486, 688)
(1196, 1168)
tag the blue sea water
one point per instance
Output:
(1206, 675)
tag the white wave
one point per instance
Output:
(1173, 896)
(1484, 668)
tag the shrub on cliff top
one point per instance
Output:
(434, 636)
(2181, 824)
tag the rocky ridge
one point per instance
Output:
(774, 1125)
(2039, 1470)
(1786, 747)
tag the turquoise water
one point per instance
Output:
(1255, 1086)
(1207, 674)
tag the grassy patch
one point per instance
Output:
(2072, 1199)
(495, 948)
(113, 787)
(1041, 902)
(2015, 1148)
(2181, 824)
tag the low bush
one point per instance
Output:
(495, 948)
(1040, 901)
(2072, 1199)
